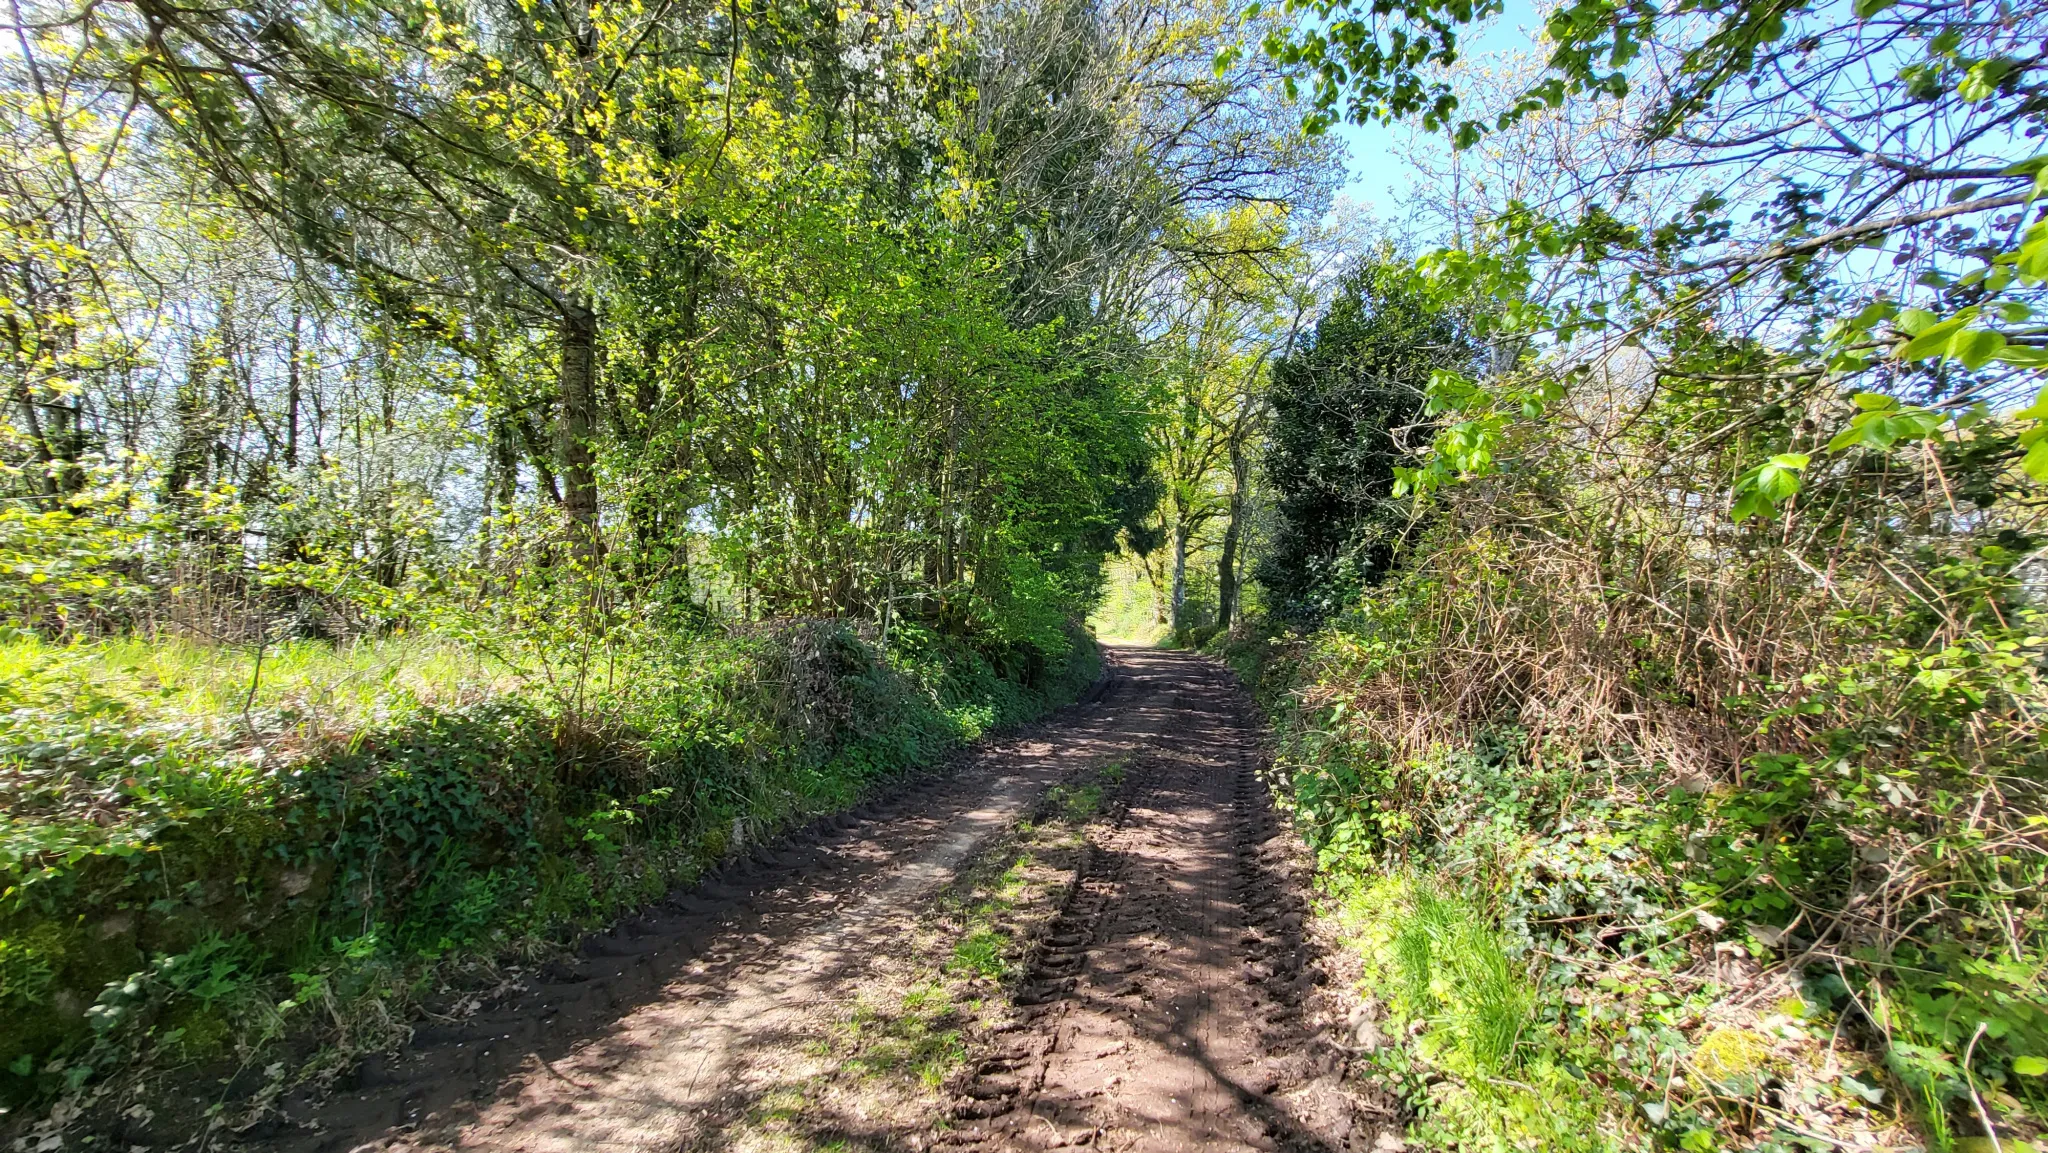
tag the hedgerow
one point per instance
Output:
(1754, 813)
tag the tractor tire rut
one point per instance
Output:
(1173, 1003)
(1176, 1003)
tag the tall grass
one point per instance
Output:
(1466, 1045)
(339, 685)
(1456, 974)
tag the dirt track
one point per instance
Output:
(1167, 1001)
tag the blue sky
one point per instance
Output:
(1377, 175)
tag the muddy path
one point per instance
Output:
(1162, 996)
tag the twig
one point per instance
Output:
(1983, 1115)
(256, 673)
(551, 1071)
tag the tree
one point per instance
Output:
(769, 309)
(453, 160)
(1227, 315)
(1779, 298)
(1347, 410)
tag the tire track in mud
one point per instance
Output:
(650, 1036)
(1175, 1003)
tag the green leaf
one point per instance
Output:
(2030, 1066)
(2033, 257)
(1759, 491)
(1912, 321)
(1933, 340)
(2036, 410)
(1982, 81)
(1878, 310)
(1975, 347)
(1858, 433)
(2035, 463)
(2023, 356)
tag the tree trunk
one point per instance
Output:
(1180, 575)
(1154, 580)
(538, 454)
(291, 395)
(193, 406)
(46, 479)
(1226, 565)
(1233, 535)
(577, 423)
(501, 484)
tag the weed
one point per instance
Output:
(983, 952)
(1075, 804)
(920, 1037)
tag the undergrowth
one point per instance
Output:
(215, 857)
(1821, 931)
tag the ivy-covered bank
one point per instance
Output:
(206, 852)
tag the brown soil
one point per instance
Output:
(1168, 999)
(1176, 1005)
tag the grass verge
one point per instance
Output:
(239, 860)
